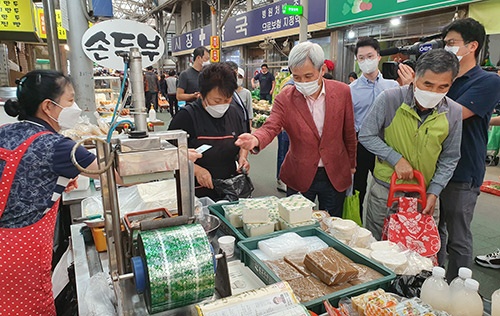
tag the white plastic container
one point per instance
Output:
(152, 114)
(458, 283)
(467, 302)
(435, 291)
(495, 303)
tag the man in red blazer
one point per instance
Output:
(318, 117)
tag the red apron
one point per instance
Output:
(25, 253)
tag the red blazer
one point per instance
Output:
(337, 145)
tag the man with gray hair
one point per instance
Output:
(414, 127)
(318, 117)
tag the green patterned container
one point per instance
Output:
(180, 268)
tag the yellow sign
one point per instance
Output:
(486, 12)
(16, 15)
(214, 55)
(40, 23)
(214, 42)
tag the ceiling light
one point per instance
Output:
(351, 34)
(396, 21)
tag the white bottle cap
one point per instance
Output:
(438, 272)
(471, 284)
(465, 273)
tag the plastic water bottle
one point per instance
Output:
(495, 303)
(152, 114)
(435, 291)
(458, 282)
(467, 301)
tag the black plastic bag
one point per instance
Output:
(234, 188)
(409, 285)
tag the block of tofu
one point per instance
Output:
(252, 230)
(283, 270)
(330, 266)
(328, 289)
(233, 214)
(295, 209)
(255, 211)
(286, 225)
(305, 289)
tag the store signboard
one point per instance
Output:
(103, 41)
(40, 24)
(293, 9)
(346, 12)
(265, 20)
(16, 15)
(215, 55)
(214, 42)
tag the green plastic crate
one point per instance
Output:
(227, 228)
(269, 277)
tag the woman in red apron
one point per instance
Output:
(214, 119)
(35, 169)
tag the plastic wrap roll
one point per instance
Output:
(180, 269)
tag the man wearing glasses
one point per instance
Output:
(477, 91)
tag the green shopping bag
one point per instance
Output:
(351, 208)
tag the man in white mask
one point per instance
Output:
(478, 92)
(364, 90)
(318, 117)
(414, 127)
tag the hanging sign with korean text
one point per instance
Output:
(16, 15)
(104, 40)
(346, 12)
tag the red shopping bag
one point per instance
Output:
(409, 228)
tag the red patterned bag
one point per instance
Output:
(409, 228)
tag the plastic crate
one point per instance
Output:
(269, 277)
(227, 228)
(488, 187)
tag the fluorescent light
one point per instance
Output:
(396, 21)
(351, 34)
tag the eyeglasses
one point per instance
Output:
(451, 42)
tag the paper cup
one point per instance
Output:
(226, 243)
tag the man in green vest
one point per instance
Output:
(414, 127)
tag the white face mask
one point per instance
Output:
(308, 88)
(368, 66)
(218, 110)
(454, 50)
(68, 117)
(428, 99)
(205, 63)
(240, 82)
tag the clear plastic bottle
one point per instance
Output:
(467, 302)
(435, 291)
(495, 303)
(458, 282)
(152, 114)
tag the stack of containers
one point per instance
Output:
(256, 219)
(295, 211)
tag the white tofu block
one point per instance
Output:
(295, 209)
(255, 216)
(286, 225)
(252, 230)
(233, 213)
(283, 245)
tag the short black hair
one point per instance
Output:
(233, 65)
(200, 51)
(328, 75)
(33, 88)
(217, 75)
(367, 41)
(438, 61)
(353, 74)
(470, 30)
(264, 65)
(149, 68)
(171, 73)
